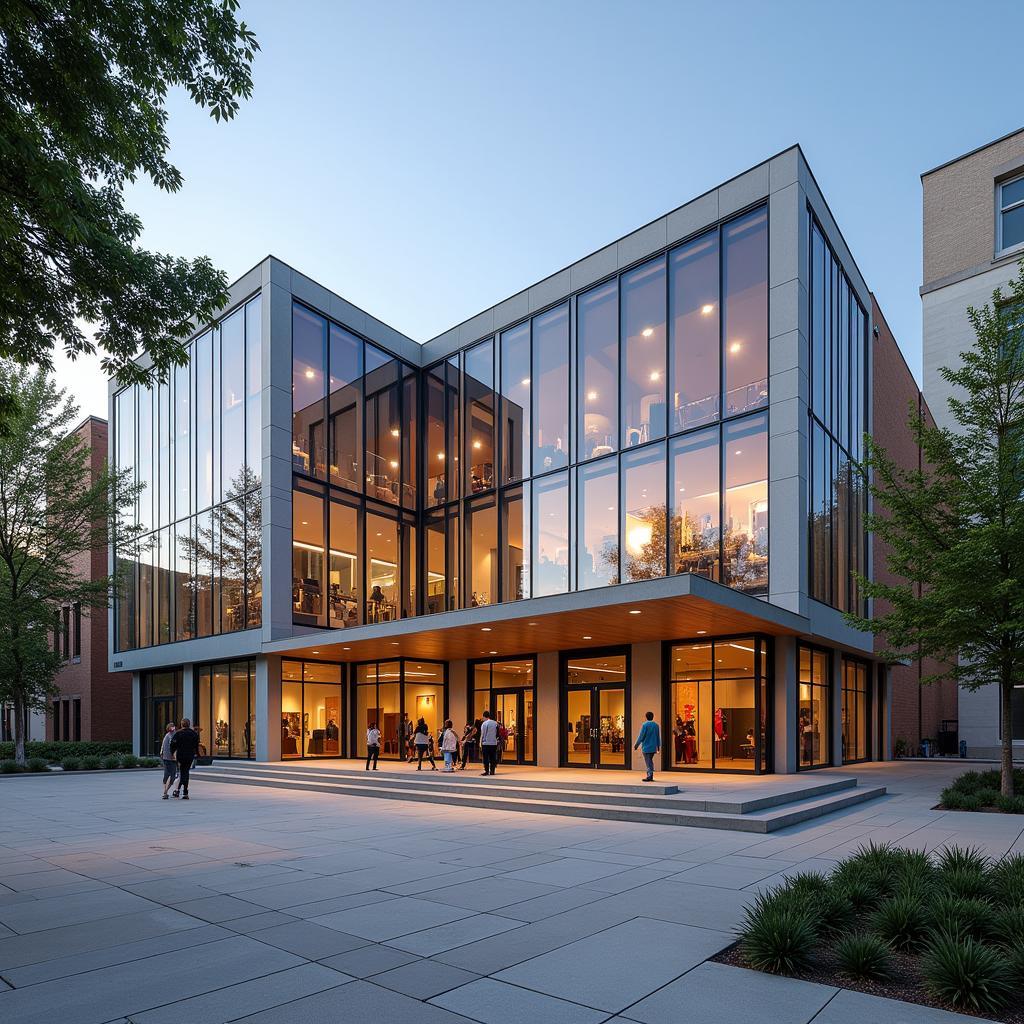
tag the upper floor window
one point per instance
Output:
(1010, 219)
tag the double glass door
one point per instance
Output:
(511, 710)
(595, 712)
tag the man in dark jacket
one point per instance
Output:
(184, 747)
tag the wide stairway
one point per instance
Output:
(763, 804)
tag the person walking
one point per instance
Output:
(184, 747)
(421, 740)
(489, 743)
(469, 738)
(648, 741)
(372, 745)
(449, 746)
(170, 765)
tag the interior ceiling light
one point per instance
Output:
(585, 638)
(485, 629)
(310, 374)
(647, 332)
(735, 347)
(707, 309)
(655, 375)
(701, 632)
(395, 431)
(634, 611)
(525, 382)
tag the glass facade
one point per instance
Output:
(814, 725)
(160, 702)
(225, 709)
(838, 420)
(507, 689)
(394, 696)
(194, 445)
(718, 706)
(856, 711)
(312, 722)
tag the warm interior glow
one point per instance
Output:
(638, 537)
(647, 332)
(707, 309)
(735, 347)
(395, 432)
(655, 375)
(310, 374)
(591, 396)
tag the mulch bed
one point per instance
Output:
(905, 983)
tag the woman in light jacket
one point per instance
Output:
(449, 746)
(421, 740)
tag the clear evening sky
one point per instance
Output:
(426, 160)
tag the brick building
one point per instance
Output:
(93, 703)
(918, 711)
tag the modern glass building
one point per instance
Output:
(625, 488)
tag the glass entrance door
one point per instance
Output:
(595, 712)
(510, 712)
(165, 709)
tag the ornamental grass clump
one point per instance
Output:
(1007, 879)
(129, 761)
(71, 764)
(91, 763)
(38, 764)
(777, 935)
(112, 761)
(864, 957)
(902, 921)
(957, 917)
(967, 974)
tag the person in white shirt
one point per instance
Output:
(372, 745)
(489, 743)
(170, 765)
(449, 746)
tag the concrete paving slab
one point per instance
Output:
(369, 960)
(470, 928)
(423, 979)
(308, 939)
(857, 1007)
(494, 1002)
(398, 917)
(59, 912)
(490, 893)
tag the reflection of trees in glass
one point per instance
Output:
(232, 540)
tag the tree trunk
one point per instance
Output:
(19, 729)
(1006, 717)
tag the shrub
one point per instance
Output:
(1007, 879)
(957, 917)
(129, 761)
(92, 762)
(111, 761)
(777, 936)
(1007, 925)
(952, 799)
(970, 802)
(901, 921)
(864, 957)
(988, 797)
(55, 751)
(861, 893)
(1010, 804)
(149, 762)
(10, 767)
(71, 764)
(967, 974)
(38, 764)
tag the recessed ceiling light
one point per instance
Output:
(634, 611)
(701, 632)
(738, 452)
(346, 648)
(647, 332)
(585, 638)
(735, 347)
(395, 432)
(492, 652)
(707, 309)
(310, 374)
(525, 382)
(394, 643)
(655, 375)
(591, 396)
(315, 652)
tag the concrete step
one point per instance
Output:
(614, 808)
(642, 794)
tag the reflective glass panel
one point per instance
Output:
(309, 372)
(515, 403)
(479, 396)
(232, 404)
(550, 568)
(382, 576)
(308, 605)
(482, 553)
(695, 504)
(644, 518)
(551, 390)
(597, 399)
(343, 584)
(746, 504)
(516, 526)
(643, 354)
(344, 383)
(383, 426)
(598, 529)
(745, 311)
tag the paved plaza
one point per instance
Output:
(263, 905)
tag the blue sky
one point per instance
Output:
(426, 160)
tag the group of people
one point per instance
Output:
(485, 732)
(178, 751)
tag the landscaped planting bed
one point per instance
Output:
(979, 791)
(74, 764)
(945, 931)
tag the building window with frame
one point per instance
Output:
(76, 614)
(1010, 219)
(814, 719)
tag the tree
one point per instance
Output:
(53, 510)
(954, 530)
(83, 91)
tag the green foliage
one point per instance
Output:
(1007, 879)
(84, 90)
(964, 871)
(958, 917)
(149, 762)
(55, 751)
(1007, 925)
(864, 957)
(112, 761)
(862, 893)
(777, 936)
(129, 761)
(71, 764)
(987, 797)
(1010, 804)
(970, 803)
(967, 974)
(951, 799)
(38, 764)
(901, 921)
(92, 762)
(10, 767)
(953, 530)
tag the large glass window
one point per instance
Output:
(308, 605)
(856, 711)
(202, 374)
(393, 696)
(745, 311)
(345, 434)
(643, 353)
(435, 455)
(309, 373)
(695, 509)
(507, 689)
(598, 524)
(435, 549)
(479, 418)
(515, 505)
(644, 525)
(184, 581)
(382, 569)
(254, 389)
(383, 426)
(232, 404)
(160, 700)
(551, 535)
(225, 709)
(551, 390)
(746, 504)
(718, 705)
(344, 583)
(182, 442)
(515, 403)
(482, 553)
(597, 395)
(312, 722)
(163, 455)
(814, 721)
(694, 342)
(144, 470)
